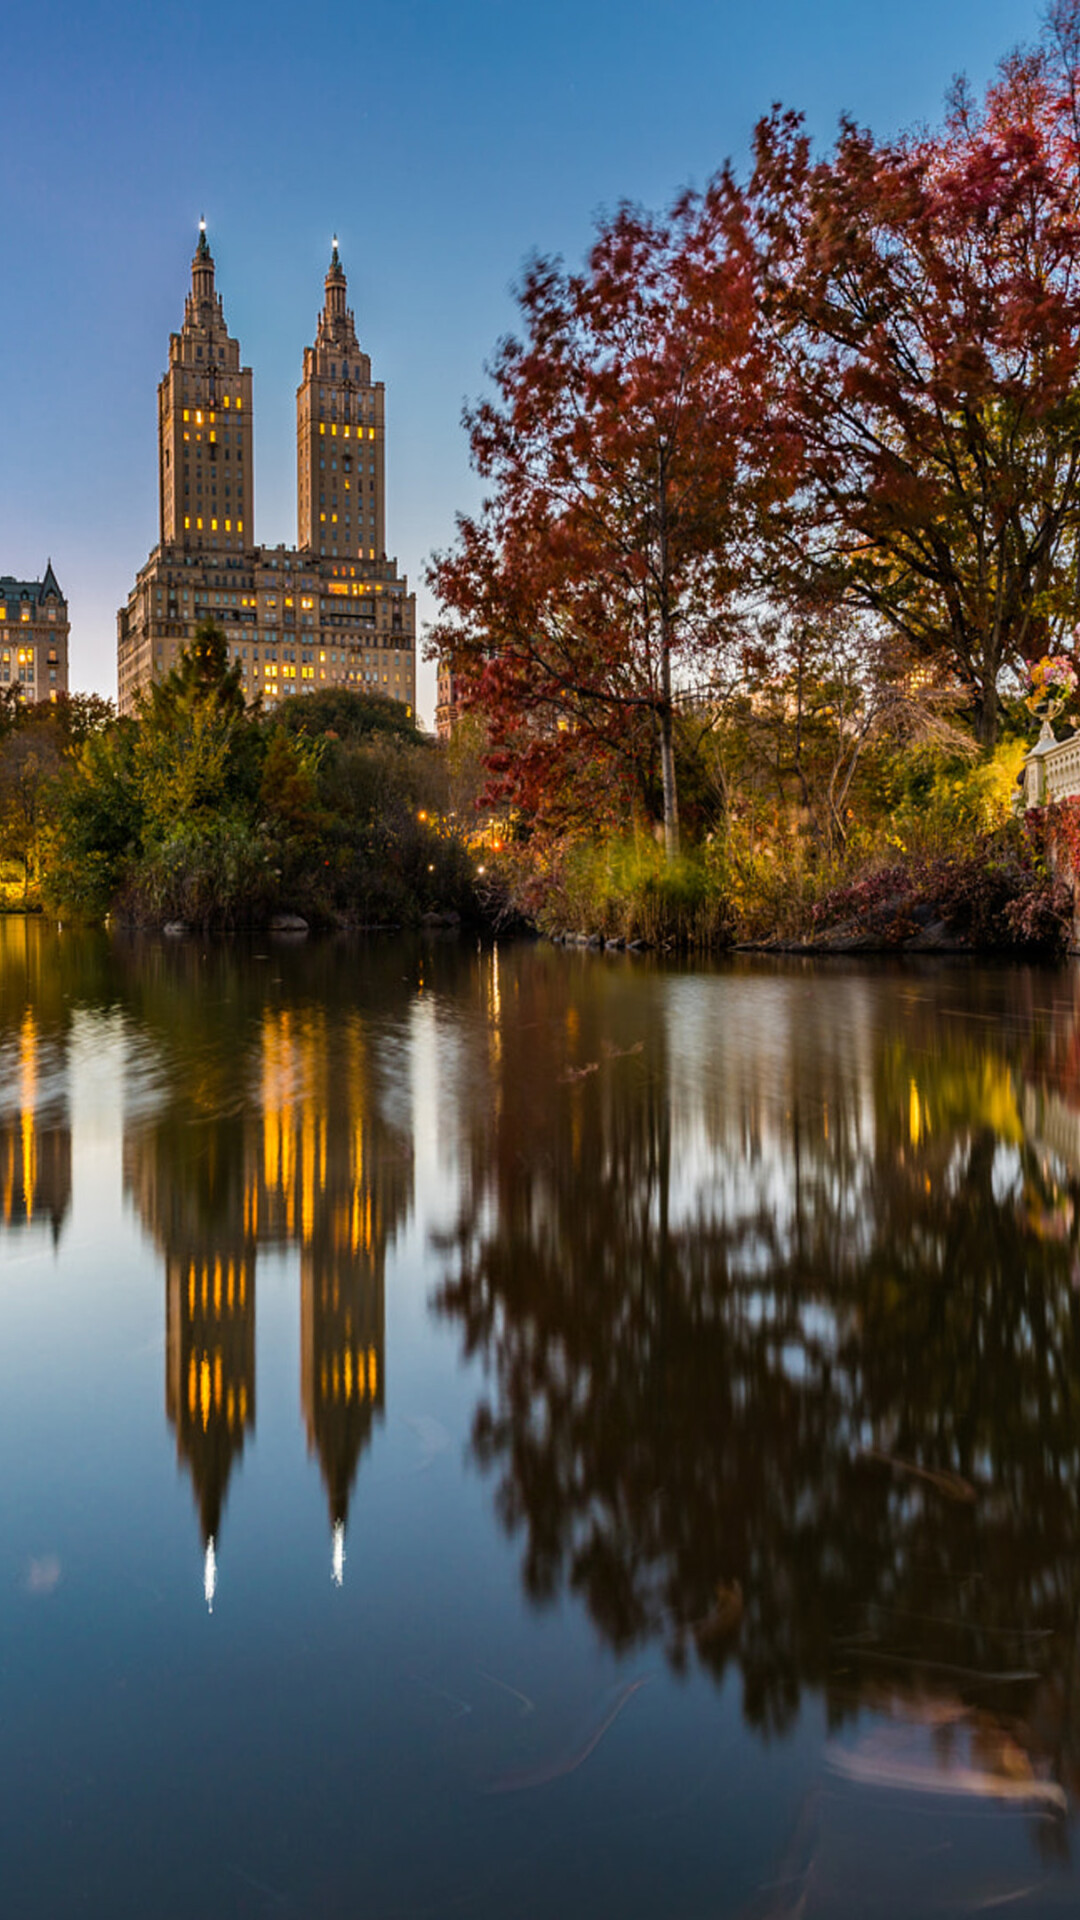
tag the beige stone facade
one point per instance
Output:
(34, 632)
(332, 611)
(446, 699)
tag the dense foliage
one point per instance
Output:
(203, 811)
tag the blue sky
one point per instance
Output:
(442, 143)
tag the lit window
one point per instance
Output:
(187, 523)
(187, 416)
(213, 526)
(198, 524)
(322, 426)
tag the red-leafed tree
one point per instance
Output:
(596, 584)
(923, 301)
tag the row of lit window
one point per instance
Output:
(213, 525)
(212, 438)
(198, 411)
(235, 1287)
(206, 1389)
(25, 655)
(346, 431)
(337, 1381)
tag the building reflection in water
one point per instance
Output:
(282, 1143)
(210, 1374)
(35, 1127)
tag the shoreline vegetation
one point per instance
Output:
(202, 812)
(335, 813)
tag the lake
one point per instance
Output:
(504, 1432)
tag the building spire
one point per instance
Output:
(336, 287)
(202, 268)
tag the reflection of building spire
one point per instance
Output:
(337, 1558)
(210, 1574)
(210, 1367)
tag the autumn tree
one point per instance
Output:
(596, 584)
(923, 304)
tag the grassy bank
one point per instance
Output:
(941, 860)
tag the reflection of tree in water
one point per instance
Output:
(823, 1418)
(257, 1116)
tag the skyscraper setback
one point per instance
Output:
(331, 611)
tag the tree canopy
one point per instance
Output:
(844, 390)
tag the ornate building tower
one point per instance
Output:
(205, 426)
(340, 416)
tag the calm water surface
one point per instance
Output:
(515, 1433)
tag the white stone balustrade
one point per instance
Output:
(1052, 771)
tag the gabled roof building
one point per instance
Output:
(34, 633)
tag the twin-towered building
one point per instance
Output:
(332, 611)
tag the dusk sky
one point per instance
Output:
(442, 143)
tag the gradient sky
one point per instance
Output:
(442, 143)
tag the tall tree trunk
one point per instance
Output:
(667, 718)
(667, 777)
(987, 714)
